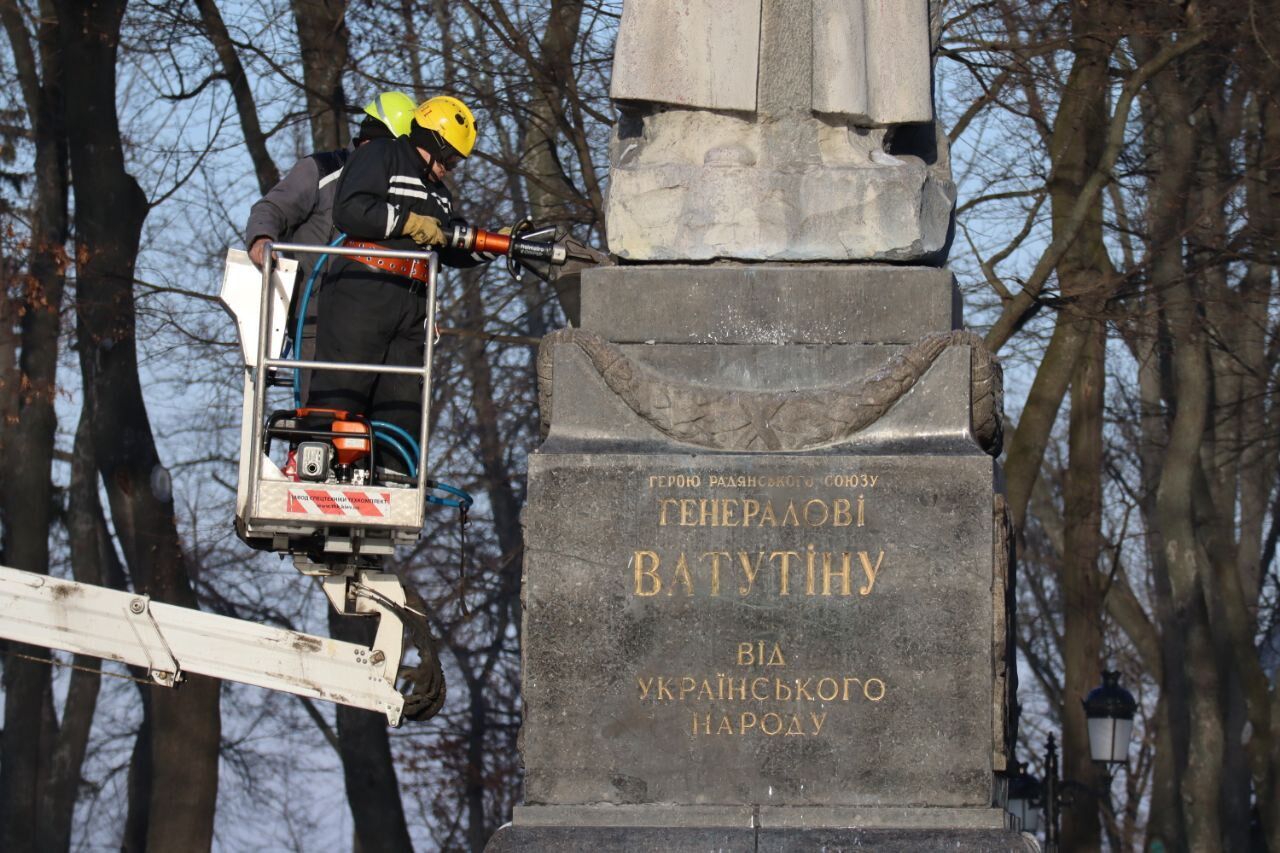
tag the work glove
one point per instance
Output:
(423, 230)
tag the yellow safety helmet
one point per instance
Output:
(394, 109)
(444, 126)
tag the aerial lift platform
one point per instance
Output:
(309, 487)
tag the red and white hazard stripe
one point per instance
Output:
(350, 504)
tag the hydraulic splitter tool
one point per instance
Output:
(547, 253)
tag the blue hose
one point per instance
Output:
(399, 448)
(302, 319)
(399, 433)
(464, 500)
(461, 499)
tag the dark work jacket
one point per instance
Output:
(384, 181)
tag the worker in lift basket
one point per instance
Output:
(373, 310)
(299, 209)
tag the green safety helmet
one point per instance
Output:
(395, 110)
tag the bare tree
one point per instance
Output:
(180, 765)
(31, 733)
(1149, 268)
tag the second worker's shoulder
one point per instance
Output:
(329, 162)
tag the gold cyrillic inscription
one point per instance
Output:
(680, 688)
(758, 692)
(808, 555)
(769, 725)
(757, 572)
(753, 512)
(753, 654)
(852, 480)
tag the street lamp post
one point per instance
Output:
(1109, 710)
(1053, 802)
(1025, 793)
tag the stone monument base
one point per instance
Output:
(734, 829)
(698, 840)
(766, 569)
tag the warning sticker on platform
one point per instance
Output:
(350, 504)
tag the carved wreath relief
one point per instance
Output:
(772, 421)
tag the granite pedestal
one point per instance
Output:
(766, 569)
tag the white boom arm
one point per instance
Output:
(169, 640)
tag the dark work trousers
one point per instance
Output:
(369, 318)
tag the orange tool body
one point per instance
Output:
(540, 252)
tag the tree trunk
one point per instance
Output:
(505, 505)
(1165, 825)
(1081, 595)
(1218, 127)
(372, 790)
(26, 489)
(93, 561)
(1084, 275)
(322, 35)
(1259, 452)
(1174, 101)
(254, 139)
(552, 197)
(502, 498)
(109, 211)
(1035, 428)
(139, 782)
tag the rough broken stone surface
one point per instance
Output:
(727, 205)
(804, 147)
